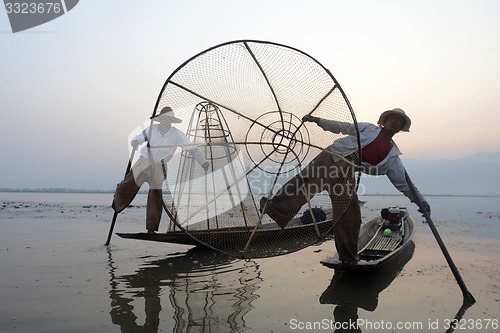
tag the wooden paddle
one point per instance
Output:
(467, 295)
(115, 214)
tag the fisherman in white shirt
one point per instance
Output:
(334, 170)
(151, 167)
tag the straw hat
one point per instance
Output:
(398, 111)
(167, 112)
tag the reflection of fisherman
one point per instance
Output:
(193, 304)
(351, 291)
(334, 169)
(163, 141)
(122, 311)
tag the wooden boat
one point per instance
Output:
(376, 245)
(231, 240)
(181, 237)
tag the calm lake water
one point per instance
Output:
(58, 277)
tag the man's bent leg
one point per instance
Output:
(295, 192)
(125, 192)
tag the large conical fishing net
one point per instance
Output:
(242, 103)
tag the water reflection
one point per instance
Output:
(351, 291)
(459, 316)
(198, 290)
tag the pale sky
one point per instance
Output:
(74, 88)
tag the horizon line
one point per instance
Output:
(79, 190)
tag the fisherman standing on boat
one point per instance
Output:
(334, 170)
(151, 167)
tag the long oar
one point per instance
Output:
(115, 214)
(467, 295)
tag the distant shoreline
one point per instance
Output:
(53, 190)
(72, 190)
(56, 190)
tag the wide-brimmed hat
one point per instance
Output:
(167, 112)
(398, 111)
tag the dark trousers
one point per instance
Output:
(323, 174)
(143, 172)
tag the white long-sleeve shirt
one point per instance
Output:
(391, 165)
(163, 147)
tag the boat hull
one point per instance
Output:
(295, 235)
(375, 249)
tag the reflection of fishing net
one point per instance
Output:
(242, 103)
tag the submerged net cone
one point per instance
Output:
(241, 103)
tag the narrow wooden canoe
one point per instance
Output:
(375, 248)
(268, 240)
